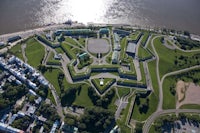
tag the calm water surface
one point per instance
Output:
(25, 14)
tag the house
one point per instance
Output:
(42, 119)
(31, 110)
(32, 85)
(32, 92)
(38, 100)
(55, 125)
(8, 129)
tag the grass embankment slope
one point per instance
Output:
(152, 105)
(17, 51)
(34, 52)
(83, 94)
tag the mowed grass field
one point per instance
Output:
(82, 98)
(52, 77)
(154, 80)
(167, 58)
(153, 102)
(169, 100)
(17, 51)
(34, 52)
(143, 53)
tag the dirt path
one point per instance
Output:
(23, 47)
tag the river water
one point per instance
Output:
(18, 15)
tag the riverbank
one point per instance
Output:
(30, 32)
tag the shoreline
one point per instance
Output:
(29, 32)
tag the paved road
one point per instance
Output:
(160, 111)
(155, 115)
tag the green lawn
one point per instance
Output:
(51, 76)
(72, 41)
(67, 48)
(112, 105)
(143, 53)
(167, 58)
(50, 97)
(144, 38)
(59, 50)
(152, 129)
(149, 43)
(17, 51)
(190, 106)
(123, 91)
(169, 43)
(142, 73)
(51, 59)
(135, 35)
(82, 41)
(123, 48)
(82, 99)
(152, 71)
(109, 58)
(169, 100)
(34, 52)
(153, 102)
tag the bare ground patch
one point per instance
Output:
(187, 93)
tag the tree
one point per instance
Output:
(68, 97)
(96, 120)
(138, 128)
(186, 33)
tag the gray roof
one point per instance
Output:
(131, 48)
(115, 56)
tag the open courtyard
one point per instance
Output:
(98, 46)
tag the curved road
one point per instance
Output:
(159, 110)
(156, 114)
